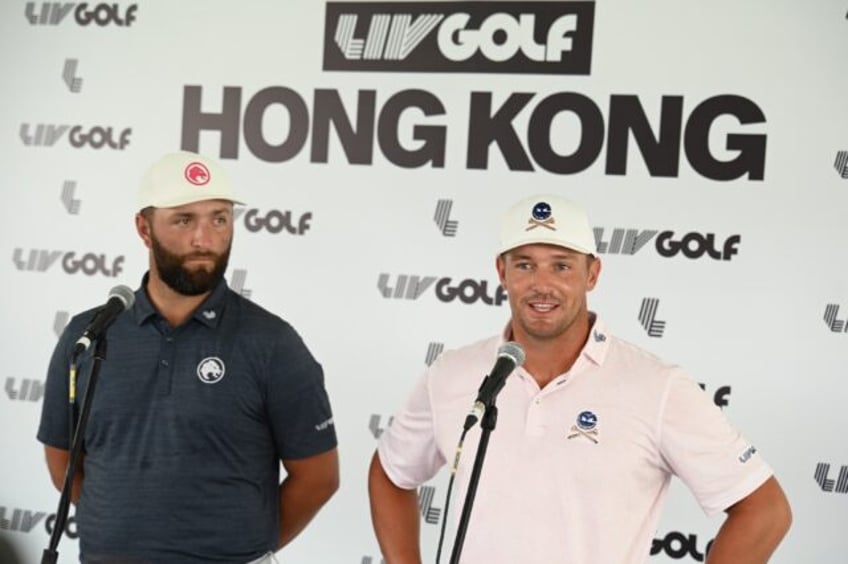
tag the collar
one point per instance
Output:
(596, 347)
(208, 313)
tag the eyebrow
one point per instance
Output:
(558, 256)
(217, 211)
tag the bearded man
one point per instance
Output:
(202, 394)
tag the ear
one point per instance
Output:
(500, 266)
(142, 227)
(594, 273)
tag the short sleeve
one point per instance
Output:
(298, 406)
(408, 449)
(713, 459)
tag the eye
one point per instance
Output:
(221, 220)
(562, 266)
(182, 220)
(523, 265)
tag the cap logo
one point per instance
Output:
(541, 217)
(197, 173)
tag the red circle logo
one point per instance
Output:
(197, 173)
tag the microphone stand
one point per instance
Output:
(487, 424)
(50, 555)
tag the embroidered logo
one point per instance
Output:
(587, 426)
(197, 173)
(209, 314)
(541, 217)
(599, 337)
(746, 456)
(210, 370)
(324, 424)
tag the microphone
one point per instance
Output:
(121, 298)
(510, 356)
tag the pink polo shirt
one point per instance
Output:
(577, 472)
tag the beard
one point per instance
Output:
(184, 281)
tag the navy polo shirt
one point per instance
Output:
(187, 429)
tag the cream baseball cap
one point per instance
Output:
(184, 178)
(550, 219)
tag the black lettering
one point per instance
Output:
(90, 264)
(682, 545)
(251, 222)
(304, 224)
(298, 124)
(686, 245)
(117, 266)
(358, 144)
(591, 138)
(433, 137)
(468, 291)
(77, 137)
(444, 291)
(720, 399)
(276, 221)
(97, 137)
(666, 246)
(661, 153)
(500, 295)
(70, 526)
(226, 122)
(752, 148)
(485, 128)
(69, 264)
(731, 247)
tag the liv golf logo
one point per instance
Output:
(841, 163)
(831, 312)
(829, 484)
(468, 291)
(648, 317)
(692, 245)
(491, 37)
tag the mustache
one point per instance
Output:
(200, 256)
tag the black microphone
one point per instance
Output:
(510, 357)
(121, 298)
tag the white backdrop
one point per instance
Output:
(769, 322)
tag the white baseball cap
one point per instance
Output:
(184, 178)
(550, 219)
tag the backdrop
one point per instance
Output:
(376, 145)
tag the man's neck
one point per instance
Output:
(176, 308)
(546, 359)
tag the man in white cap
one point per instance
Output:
(589, 430)
(202, 395)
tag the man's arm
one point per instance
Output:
(394, 514)
(754, 527)
(57, 464)
(309, 484)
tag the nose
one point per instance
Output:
(201, 237)
(540, 280)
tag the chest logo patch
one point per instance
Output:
(211, 370)
(587, 427)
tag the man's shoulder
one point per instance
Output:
(635, 353)
(257, 322)
(636, 364)
(251, 311)
(467, 358)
